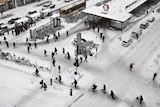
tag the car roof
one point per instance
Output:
(126, 39)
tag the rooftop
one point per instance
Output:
(115, 11)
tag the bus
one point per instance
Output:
(72, 8)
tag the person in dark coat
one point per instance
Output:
(55, 50)
(63, 51)
(28, 49)
(60, 79)
(35, 45)
(154, 76)
(140, 99)
(14, 45)
(41, 82)
(7, 44)
(70, 92)
(45, 86)
(45, 53)
(112, 95)
(51, 81)
(59, 68)
(53, 62)
(75, 83)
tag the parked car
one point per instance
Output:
(32, 12)
(144, 25)
(52, 6)
(11, 21)
(126, 42)
(158, 10)
(67, 0)
(151, 19)
(45, 6)
(135, 34)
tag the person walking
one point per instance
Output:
(7, 44)
(103, 38)
(53, 62)
(63, 51)
(29, 44)
(98, 29)
(52, 54)
(26, 40)
(59, 78)
(59, 68)
(59, 35)
(70, 92)
(112, 95)
(51, 81)
(28, 49)
(4, 38)
(35, 45)
(140, 99)
(45, 53)
(41, 82)
(75, 83)
(154, 76)
(85, 58)
(104, 88)
(67, 33)
(55, 50)
(45, 86)
(131, 66)
(47, 40)
(14, 45)
(81, 59)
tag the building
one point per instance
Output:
(114, 14)
(23, 2)
(6, 5)
(10, 4)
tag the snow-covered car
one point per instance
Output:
(52, 6)
(67, 0)
(32, 12)
(144, 25)
(45, 6)
(135, 34)
(11, 21)
(127, 42)
(151, 19)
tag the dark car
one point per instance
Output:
(13, 20)
(144, 25)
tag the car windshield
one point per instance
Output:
(124, 41)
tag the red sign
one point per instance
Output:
(105, 7)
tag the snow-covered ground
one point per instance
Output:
(19, 87)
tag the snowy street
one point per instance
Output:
(109, 65)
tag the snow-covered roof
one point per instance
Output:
(55, 15)
(34, 15)
(72, 4)
(116, 11)
(25, 19)
(46, 11)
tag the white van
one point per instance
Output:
(135, 34)
(126, 42)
